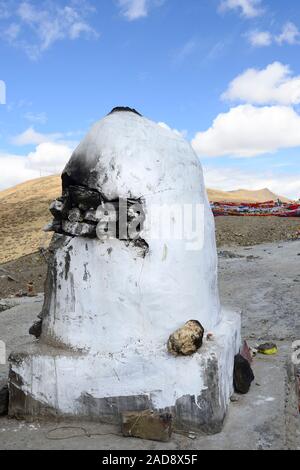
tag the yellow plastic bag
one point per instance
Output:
(269, 349)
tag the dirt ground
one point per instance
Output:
(249, 231)
(235, 231)
(15, 275)
(262, 282)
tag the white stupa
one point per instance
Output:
(111, 304)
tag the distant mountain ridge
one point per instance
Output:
(24, 212)
(244, 195)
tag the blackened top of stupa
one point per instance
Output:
(124, 108)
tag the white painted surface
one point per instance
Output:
(136, 370)
(111, 299)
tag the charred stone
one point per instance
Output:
(59, 208)
(36, 329)
(84, 198)
(242, 375)
(75, 215)
(118, 109)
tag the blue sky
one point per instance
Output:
(225, 73)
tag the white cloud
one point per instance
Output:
(12, 32)
(272, 85)
(40, 118)
(185, 51)
(5, 8)
(31, 137)
(2, 92)
(46, 24)
(248, 8)
(229, 179)
(260, 38)
(135, 9)
(248, 131)
(179, 133)
(48, 158)
(290, 35)
(14, 171)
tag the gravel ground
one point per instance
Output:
(15, 275)
(249, 231)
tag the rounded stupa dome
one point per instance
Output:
(127, 155)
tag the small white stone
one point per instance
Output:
(78, 229)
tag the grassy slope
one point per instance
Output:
(23, 213)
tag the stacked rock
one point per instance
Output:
(84, 212)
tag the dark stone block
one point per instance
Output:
(110, 409)
(4, 398)
(243, 375)
(36, 329)
(203, 413)
(84, 198)
(59, 208)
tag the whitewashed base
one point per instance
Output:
(47, 381)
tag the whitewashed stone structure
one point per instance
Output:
(111, 304)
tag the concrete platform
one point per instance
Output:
(47, 381)
(257, 421)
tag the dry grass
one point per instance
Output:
(23, 214)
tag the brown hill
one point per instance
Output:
(24, 212)
(244, 195)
